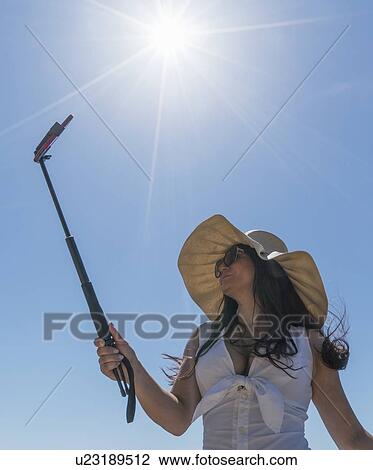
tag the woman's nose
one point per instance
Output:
(222, 268)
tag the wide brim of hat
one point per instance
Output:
(210, 240)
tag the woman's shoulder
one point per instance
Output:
(316, 339)
(312, 339)
(313, 336)
(199, 334)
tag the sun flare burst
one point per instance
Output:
(170, 35)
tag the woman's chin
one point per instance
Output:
(226, 290)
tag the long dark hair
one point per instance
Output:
(283, 308)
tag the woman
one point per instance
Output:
(253, 368)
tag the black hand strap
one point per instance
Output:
(128, 390)
(131, 404)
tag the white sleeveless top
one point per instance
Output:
(266, 409)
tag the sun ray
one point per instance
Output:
(70, 95)
(229, 106)
(238, 113)
(233, 62)
(228, 60)
(215, 55)
(155, 149)
(145, 74)
(245, 28)
(184, 93)
(202, 11)
(118, 13)
(220, 56)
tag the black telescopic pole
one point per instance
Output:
(97, 314)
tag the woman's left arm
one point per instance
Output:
(332, 404)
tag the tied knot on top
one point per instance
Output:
(270, 399)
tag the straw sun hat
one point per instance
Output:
(210, 240)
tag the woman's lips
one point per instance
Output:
(225, 277)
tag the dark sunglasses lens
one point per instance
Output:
(230, 256)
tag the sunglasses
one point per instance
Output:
(230, 257)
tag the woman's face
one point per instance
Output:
(237, 278)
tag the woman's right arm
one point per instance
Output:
(172, 410)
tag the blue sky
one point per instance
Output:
(306, 178)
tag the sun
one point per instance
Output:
(170, 35)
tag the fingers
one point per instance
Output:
(120, 343)
(99, 342)
(110, 358)
(108, 367)
(108, 370)
(116, 335)
(105, 350)
(107, 353)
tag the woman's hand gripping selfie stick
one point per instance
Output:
(96, 311)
